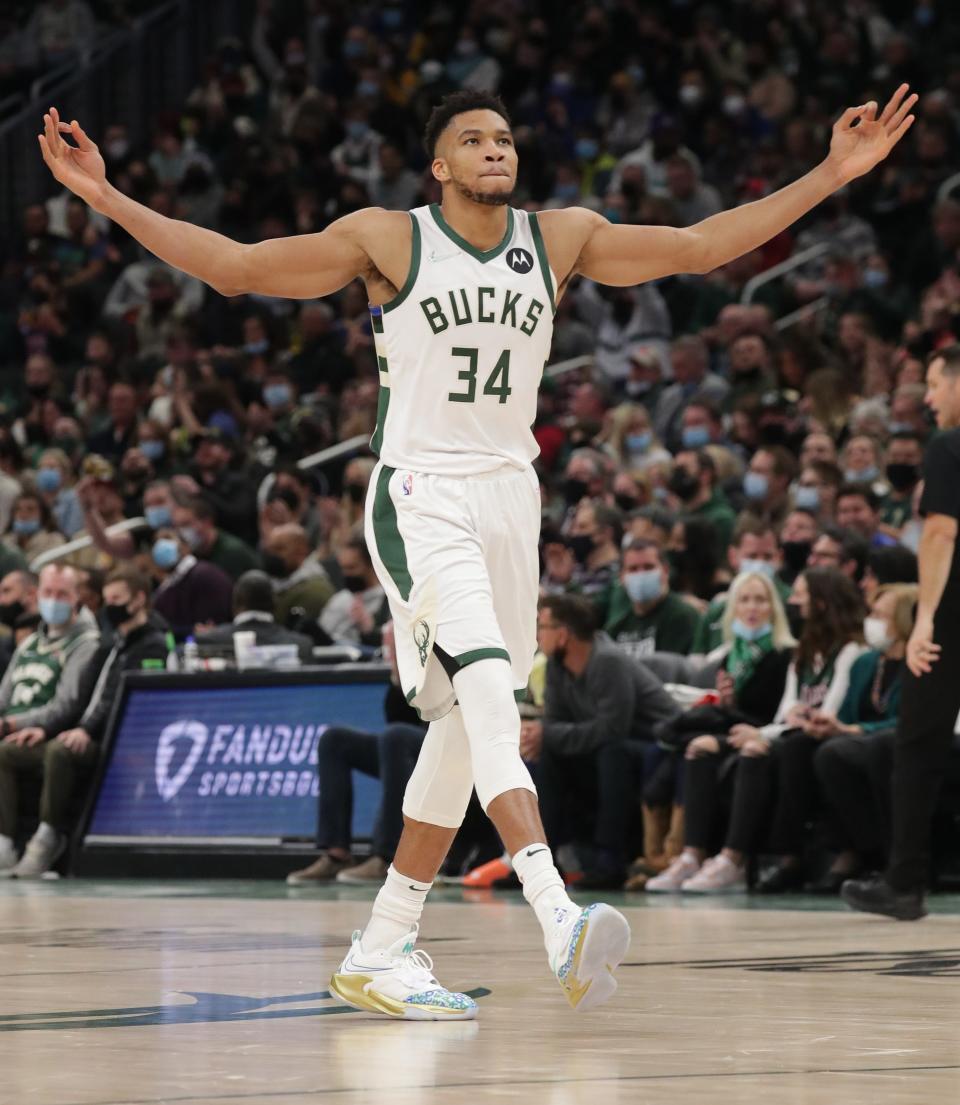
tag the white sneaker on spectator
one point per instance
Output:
(718, 875)
(684, 867)
(43, 850)
(8, 857)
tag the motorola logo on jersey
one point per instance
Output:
(519, 260)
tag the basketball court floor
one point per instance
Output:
(137, 993)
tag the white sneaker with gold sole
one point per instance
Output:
(398, 982)
(586, 950)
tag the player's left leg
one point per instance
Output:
(382, 973)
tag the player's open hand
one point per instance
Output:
(922, 651)
(854, 150)
(80, 168)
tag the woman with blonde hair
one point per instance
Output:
(629, 438)
(855, 759)
(754, 660)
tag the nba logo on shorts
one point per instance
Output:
(407, 484)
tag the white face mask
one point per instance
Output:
(876, 635)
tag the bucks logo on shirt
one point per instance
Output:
(461, 349)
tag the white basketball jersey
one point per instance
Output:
(461, 350)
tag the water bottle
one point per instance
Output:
(191, 655)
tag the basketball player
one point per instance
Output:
(462, 297)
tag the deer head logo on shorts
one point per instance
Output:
(421, 638)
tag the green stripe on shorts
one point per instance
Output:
(386, 533)
(467, 658)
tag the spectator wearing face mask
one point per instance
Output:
(697, 492)
(41, 696)
(356, 614)
(253, 602)
(855, 758)
(190, 592)
(227, 489)
(54, 482)
(816, 489)
(754, 548)
(356, 480)
(194, 519)
(594, 540)
(690, 360)
(630, 439)
(657, 620)
(775, 791)
(18, 607)
(904, 461)
(754, 658)
(299, 581)
(32, 529)
(797, 535)
(767, 482)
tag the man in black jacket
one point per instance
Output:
(138, 643)
(253, 598)
(598, 700)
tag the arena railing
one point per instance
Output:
(796, 261)
(129, 77)
(78, 544)
(949, 186)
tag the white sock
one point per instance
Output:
(542, 886)
(6, 843)
(46, 833)
(396, 910)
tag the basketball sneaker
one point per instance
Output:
(398, 982)
(584, 951)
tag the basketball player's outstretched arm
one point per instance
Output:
(626, 255)
(299, 267)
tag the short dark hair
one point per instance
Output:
(950, 355)
(253, 591)
(358, 543)
(137, 583)
(467, 99)
(574, 613)
(641, 544)
(860, 491)
(749, 525)
(893, 564)
(852, 546)
(198, 506)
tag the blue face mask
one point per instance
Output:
(256, 348)
(862, 475)
(755, 486)
(901, 427)
(875, 278)
(152, 449)
(49, 479)
(368, 89)
(763, 567)
(644, 587)
(191, 536)
(807, 498)
(638, 443)
(158, 516)
(277, 395)
(695, 437)
(749, 633)
(357, 130)
(55, 612)
(586, 149)
(165, 552)
(26, 527)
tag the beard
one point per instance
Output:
(488, 199)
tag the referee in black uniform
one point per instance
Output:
(931, 689)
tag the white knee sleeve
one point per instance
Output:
(440, 786)
(485, 693)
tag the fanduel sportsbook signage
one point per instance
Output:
(237, 761)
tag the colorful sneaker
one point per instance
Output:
(717, 876)
(684, 867)
(488, 874)
(371, 872)
(585, 951)
(324, 868)
(398, 982)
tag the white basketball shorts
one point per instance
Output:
(458, 561)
